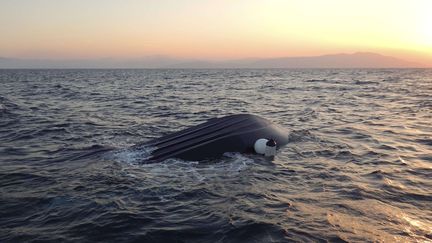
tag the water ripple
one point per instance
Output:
(358, 165)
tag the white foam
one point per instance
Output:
(132, 155)
(230, 165)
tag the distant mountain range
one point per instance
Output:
(354, 60)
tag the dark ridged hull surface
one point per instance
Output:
(235, 133)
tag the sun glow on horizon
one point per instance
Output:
(214, 29)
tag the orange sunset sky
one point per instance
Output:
(219, 29)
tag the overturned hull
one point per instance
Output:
(235, 133)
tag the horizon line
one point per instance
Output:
(196, 58)
(354, 60)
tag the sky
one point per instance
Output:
(219, 29)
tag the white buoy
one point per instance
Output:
(265, 147)
(260, 146)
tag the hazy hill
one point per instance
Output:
(355, 60)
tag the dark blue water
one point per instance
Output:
(358, 166)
